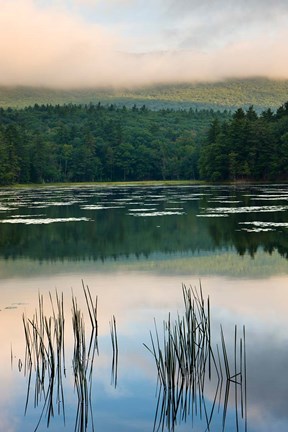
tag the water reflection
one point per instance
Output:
(109, 223)
(190, 370)
(45, 364)
(184, 356)
(136, 297)
(114, 367)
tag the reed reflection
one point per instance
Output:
(44, 355)
(190, 369)
(114, 368)
(83, 359)
(45, 363)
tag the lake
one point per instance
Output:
(135, 247)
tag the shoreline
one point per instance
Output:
(144, 183)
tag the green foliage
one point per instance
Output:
(248, 147)
(87, 143)
(76, 143)
(9, 157)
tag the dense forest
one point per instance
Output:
(74, 143)
(248, 147)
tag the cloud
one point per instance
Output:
(208, 24)
(95, 3)
(258, 9)
(51, 45)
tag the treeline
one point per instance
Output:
(248, 147)
(75, 143)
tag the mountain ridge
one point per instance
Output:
(230, 94)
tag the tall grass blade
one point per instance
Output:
(185, 361)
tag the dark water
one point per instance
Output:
(81, 223)
(135, 247)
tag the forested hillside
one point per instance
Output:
(76, 143)
(247, 147)
(96, 143)
(230, 94)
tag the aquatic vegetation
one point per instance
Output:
(184, 356)
(45, 356)
(45, 362)
(42, 221)
(83, 360)
(193, 375)
(198, 218)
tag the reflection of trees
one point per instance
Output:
(114, 232)
(228, 232)
(111, 234)
(268, 241)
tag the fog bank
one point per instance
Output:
(56, 47)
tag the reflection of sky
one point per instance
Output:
(135, 299)
(246, 291)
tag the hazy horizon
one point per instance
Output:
(115, 88)
(135, 43)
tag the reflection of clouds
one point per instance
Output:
(245, 209)
(10, 390)
(136, 298)
(267, 383)
(261, 302)
(160, 213)
(265, 423)
(8, 423)
(261, 306)
(257, 226)
(26, 221)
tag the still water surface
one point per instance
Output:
(134, 247)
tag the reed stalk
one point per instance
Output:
(185, 360)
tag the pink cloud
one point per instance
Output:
(54, 47)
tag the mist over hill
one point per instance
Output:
(229, 94)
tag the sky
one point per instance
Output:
(84, 43)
